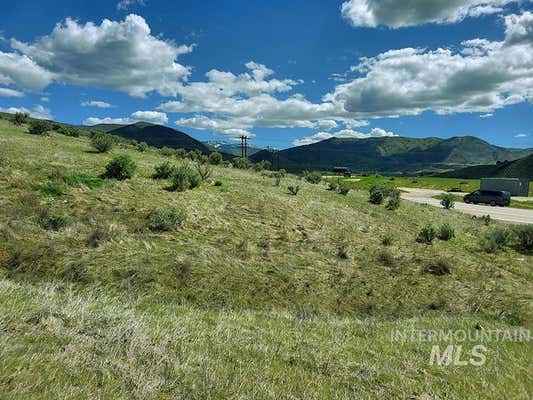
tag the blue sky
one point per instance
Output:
(284, 73)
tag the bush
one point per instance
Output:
(439, 268)
(262, 165)
(141, 147)
(39, 127)
(163, 171)
(446, 232)
(184, 178)
(447, 201)
(241, 163)
(314, 177)
(181, 153)
(293, 190)
(495, 240)
(376, 197)
(426, 235)
(166, 220)
(278, 176)
(333, 186)
(167, 151)
(204, 170)
(195, 155)
(394, 200)
(21, 118)
(343, 189)
(102, 142)
(52, 222)
(215, 158)
(121, 167)
(524, 235)
(380, 191)
(68, 131)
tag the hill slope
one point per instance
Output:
(159, 136)
(521, 168)
(391, 154)
(253, 296)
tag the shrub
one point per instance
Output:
(394, 200)
(166, 220)
(204, 170)
(167, 151)
(524, 235)
(163, 171)
(68, 131)
(386, 258)
(447, 201)
(181, 153)
(495, 240)
(121, 167)
(293, 190)
(215, 158)
(39, 127)
(446, 232)
(343, 189)
(380, 191)
(376, 197)
(184, 178)
(439, 267)
(426, 235)
(53, 222)
(262, 165)
(278, 176)
(21, 118)
(241, 163)
(387, 240)
(102, 142)
(333, 186)
(195, 155)
(314, 177)
(141, 147)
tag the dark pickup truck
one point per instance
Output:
(492, 197)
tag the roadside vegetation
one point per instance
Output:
(129, 273)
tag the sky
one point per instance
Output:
(284, 73)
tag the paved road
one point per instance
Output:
(425, 196)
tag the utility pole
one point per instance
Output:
(244, 146)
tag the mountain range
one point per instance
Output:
(231, 148)
(391, 154)
(521, 168)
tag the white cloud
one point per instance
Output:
(38, 112)
(521, 136)
(20, 70)
(45, 99)
(124, 5)
(343, 134)
(6, 92)
(489, 115)
(402, 13)
(482, 77)
(122, 56)
(96, 103)
(154, 117)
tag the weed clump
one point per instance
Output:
(495, 240)
(166, 220)
(185, 178)
(446, 232)
(439, 267)
(427, 235)
(163, 171)
(293, 190)
(53, 222)
(102, 142)
(448, 201)
(120, 168)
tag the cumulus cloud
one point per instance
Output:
(521, 136)
(154, 117)
(96, 103)
(482, 77)
(402, 13)
(122, 56)
(343, 134)
(38, 112)
(6, 92)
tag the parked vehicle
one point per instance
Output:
(492, 197)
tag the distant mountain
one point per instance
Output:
(232, 148)
(102, 127)
(157, 136)
(521, 168)
(391, 154)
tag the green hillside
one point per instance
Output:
(521, 168)
(391, 154)
(256, 294)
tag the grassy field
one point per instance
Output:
(259, 295)
(359, 182)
